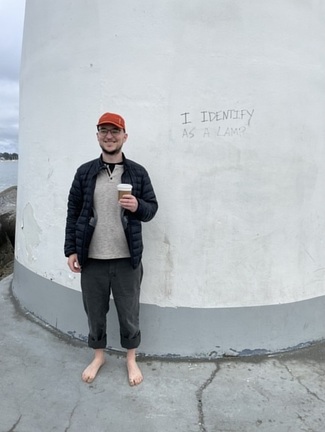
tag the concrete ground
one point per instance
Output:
(41, 389)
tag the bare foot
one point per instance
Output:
(134, 373)
(89, 374)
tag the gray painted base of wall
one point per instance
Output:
(181, 332)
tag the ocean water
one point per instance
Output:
(8, 174)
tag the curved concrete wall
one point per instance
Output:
(224, 103)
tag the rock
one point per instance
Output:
(8, 199)
(6, 254)
(7, 229)
(7, 225)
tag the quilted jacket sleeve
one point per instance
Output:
(74, 208)
(148, 205)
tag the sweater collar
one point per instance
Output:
(101, 164)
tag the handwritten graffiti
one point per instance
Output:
(210, 133)
(234, 122)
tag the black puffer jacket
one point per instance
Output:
(81, 218)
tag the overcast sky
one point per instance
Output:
(11, 30)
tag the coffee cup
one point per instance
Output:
(124, 189)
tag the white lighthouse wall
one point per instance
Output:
(224, 105)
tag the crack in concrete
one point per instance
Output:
(315, 395)
(71, 415)
(199, 394)
(16, 424)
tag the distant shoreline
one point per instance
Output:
(8, 156)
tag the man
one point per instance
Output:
(104, 241)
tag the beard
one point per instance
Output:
(116, 151)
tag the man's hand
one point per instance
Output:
(73, 263)
(129, 202)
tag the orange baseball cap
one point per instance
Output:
(112, 118)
